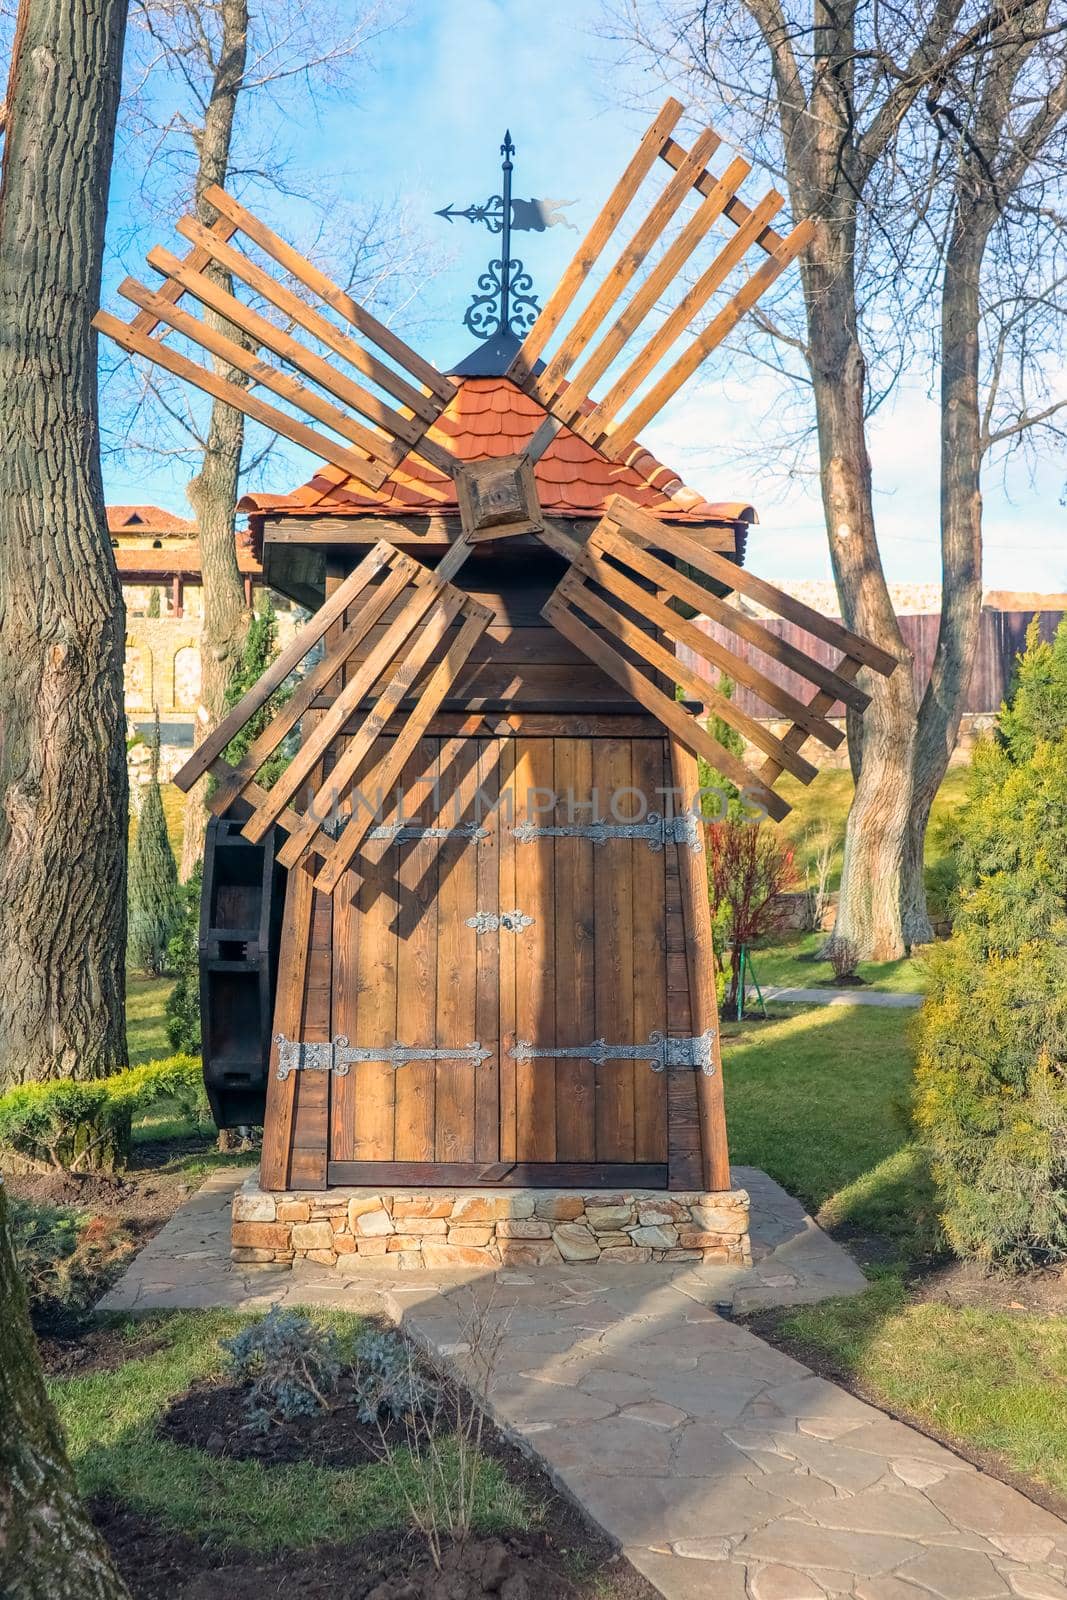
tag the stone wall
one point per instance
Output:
(351, 1228)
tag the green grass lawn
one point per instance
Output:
(816, 1097)
(146, 1032)
(789, 961)
(110, 1421)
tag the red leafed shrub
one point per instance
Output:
(749, 872)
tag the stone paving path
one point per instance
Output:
(837, 997)
(726, 1470)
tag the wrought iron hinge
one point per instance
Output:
(661, 1053)
(337, 1055)
(405, 833)
(655, 830)
(490, 921)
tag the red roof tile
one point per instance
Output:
(146, 520)
(492, 417)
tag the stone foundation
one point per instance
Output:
(487, 1228)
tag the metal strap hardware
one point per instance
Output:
(661, 1053)
(655, 830)
(337, 1055)
(489, 921)
(406, 833)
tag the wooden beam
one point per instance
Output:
(275, 675)
(620, 438)
(233, 395)
(604, 225)
(221, 229)
(703, 1000)
(668, 711)
(390, 769)
(593, 425)
(327, 290)
(737, 211)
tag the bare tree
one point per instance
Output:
(915, 136)
(213, 54)
(63, 782)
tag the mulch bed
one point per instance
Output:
(159, 1564)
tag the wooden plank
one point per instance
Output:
(374, 1090)
(332, 721)
(650, 954)
(771, 771)
(487, 977)
(575, 951)
(302, 269)
(235, 780)
(394, 426)
(736, 209)
(700, 953)
(593, 426)
(629, 260)
(280, 383)
(614, 935)
(275, 675)
(388, 772)
(507, 815)
(311, 1114)
(221, 230)
(509, 1175)
(669, 713)
(457, 953)
(403, 676)
(611, 542)
(643, 528)
(313, 322)
(347, 925)
(568, 405)
(683, 1122)
(288, 1018)
(621, 437)
(231, 394)
(604, 225)
(535, 996)
(663, 661)
(416, 916)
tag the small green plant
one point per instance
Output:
(387, 1382)
(83, 1125)
(154, 898)
(290, 1366)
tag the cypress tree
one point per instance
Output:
(154, 899)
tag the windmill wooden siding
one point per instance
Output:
(1002, 635)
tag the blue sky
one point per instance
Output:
(424, 130)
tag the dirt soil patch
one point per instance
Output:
(159, 1564)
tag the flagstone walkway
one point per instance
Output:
(885, 998)
(725, 1470)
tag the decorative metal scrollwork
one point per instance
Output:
(490, 921)
(661, 1053)
(655, 830)
(337, 1055)
(483, 315)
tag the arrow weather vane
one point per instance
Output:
(505, 304)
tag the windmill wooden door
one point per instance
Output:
(517, 917)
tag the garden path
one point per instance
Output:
(725, 1469)
(836, 997)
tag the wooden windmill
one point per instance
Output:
(502, 972)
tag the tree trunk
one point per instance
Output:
(871, 903)
(49, 1549)
(961, 545)
(63, 783)
(213, 492)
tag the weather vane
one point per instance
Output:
(505, 304)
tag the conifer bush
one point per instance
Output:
(991, 1097)
(154, 899)
(183, 959)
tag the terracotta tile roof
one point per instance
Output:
(181, 560)
(146, 520)
(491, 417)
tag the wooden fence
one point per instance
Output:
(1001, 636)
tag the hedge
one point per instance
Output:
(84, 1125)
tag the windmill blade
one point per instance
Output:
(618, 603)
(375, 434)
(600, 334)
(353, 699)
